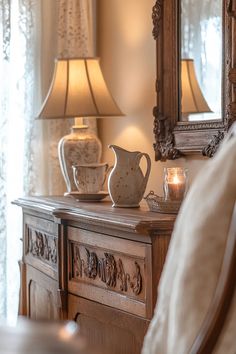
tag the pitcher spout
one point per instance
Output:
(122, 152)
(122, 155)
(117, 148)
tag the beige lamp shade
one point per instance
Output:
(78, 89)
(192, 99)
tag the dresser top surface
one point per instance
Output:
(68, 208)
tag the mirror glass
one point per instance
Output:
(201, 60)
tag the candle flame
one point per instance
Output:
(176, 179)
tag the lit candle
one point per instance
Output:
(175, 183)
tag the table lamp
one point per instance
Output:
(192, 99)
(78, 90)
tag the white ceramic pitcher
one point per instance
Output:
(126, 183)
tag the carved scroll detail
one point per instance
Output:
(231, 8)
(232, 76)
(136, 285)
(110, 272)
(157, 17)
(164, 146)
(42, 246)
(92, 264)
(122, 276)
(77, 262)
(212, 147)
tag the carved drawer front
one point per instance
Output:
(110, 270)
(41, 245)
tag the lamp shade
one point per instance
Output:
(78, 89)
(192, 99)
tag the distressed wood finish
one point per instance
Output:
(105, 275)
(172, 137)
(22, 310)
(41, 296)
(112, 330)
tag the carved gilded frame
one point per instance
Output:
(173, 138)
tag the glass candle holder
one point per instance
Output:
(175, 183)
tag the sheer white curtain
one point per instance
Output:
(32, 34)
(201, 40)
(18, 60)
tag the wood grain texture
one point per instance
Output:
(100, 215)
(160, 244)
(22, 310)
(112, 330)
(42, 300)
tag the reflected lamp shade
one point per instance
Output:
(78, 90)
(192, 100)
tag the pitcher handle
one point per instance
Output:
(75, 175)
(108, 169)
(148, 166)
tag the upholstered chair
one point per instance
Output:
(196, 306)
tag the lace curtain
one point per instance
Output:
(74, 30)
(201, 40)
(18, 35)
(32, 34)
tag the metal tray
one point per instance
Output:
(160, 205)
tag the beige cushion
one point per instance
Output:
(194, 259)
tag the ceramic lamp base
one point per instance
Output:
(81, 146)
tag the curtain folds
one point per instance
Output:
(4, 43)
(71, 35)
(18, 31)
(75, 28)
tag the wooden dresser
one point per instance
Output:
(95, 264)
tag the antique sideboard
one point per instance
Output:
(95, 264)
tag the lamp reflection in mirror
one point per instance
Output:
(192, 99)
(78, 90)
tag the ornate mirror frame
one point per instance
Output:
(173, 138)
